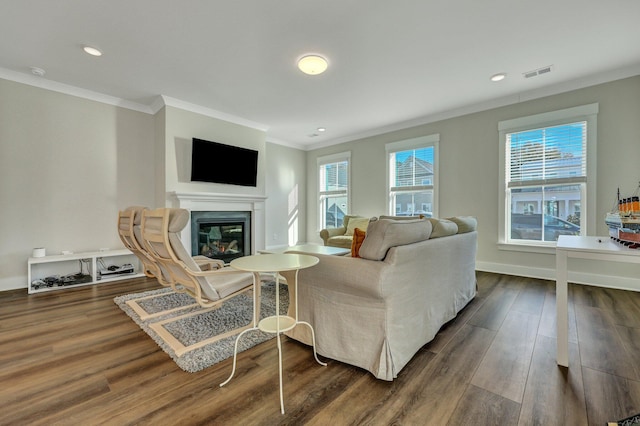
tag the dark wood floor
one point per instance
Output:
(73, 357)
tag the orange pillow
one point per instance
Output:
(358, 238)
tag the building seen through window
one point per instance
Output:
(333, 180)
(412, 179)
(545, 181)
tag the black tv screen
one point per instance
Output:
(219, 163)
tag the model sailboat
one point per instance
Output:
(624, 220)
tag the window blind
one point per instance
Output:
(549, 155)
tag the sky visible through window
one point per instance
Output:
(567, 138)
(425, 154)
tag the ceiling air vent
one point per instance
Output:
(537, 72)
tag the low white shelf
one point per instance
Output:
(85, 266)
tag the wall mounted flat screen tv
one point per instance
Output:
(219, 163)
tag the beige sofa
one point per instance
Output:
(377, 311)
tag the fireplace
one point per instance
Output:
(223, 235)
(198, 202)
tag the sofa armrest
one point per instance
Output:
(345, 274)
(327, 233)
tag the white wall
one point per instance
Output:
(67, 165)
(286, 203)
(281, 170)
(469, 174)
(181, 126)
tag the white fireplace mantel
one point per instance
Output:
(207, 201)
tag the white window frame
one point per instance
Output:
(414, 143)
(323, 161)
(588, 113)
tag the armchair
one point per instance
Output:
(343, 236)
(161, 237)
(130, 232)
(127, 219)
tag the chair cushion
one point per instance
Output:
(137, 217)
(340, 241)
(346, 218)
(357, 222)
(382, 234)
(178, 219)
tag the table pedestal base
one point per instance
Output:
(235, 354)
(276, 324)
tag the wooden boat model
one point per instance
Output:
(624, 220)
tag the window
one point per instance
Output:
(333, 179)
(412, 176)
(548, 173)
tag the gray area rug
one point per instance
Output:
(235, 312)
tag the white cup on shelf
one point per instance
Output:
(39, 252)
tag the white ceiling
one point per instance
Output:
(391, 63)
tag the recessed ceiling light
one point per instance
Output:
(322, 129)
(498, 77)
(312, 64)
(92, 51)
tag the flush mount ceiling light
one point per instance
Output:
(92, 51)
(312, 64)
(498, 77)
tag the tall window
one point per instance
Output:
(333, 178)
(412, 176)
(548, 174)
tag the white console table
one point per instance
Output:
(62, 264)
(579, 247)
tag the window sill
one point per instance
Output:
(528, 248)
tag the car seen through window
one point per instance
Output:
(531, 226)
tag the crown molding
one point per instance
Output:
(581, 83)
(177, 103)
(287, 144)
(163, 100)
(157, 105)
(159, 102)
(67, 89)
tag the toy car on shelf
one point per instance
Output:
(127, 268)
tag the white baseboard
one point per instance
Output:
(609, 281)
(13, 283)
(277, 247)
(622, 283)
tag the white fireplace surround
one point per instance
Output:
(206, 201)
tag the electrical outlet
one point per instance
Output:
(275, 236)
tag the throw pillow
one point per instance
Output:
(358, 238)
(357, 222)
(443, 228)
(465, 223)
(382, 234)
